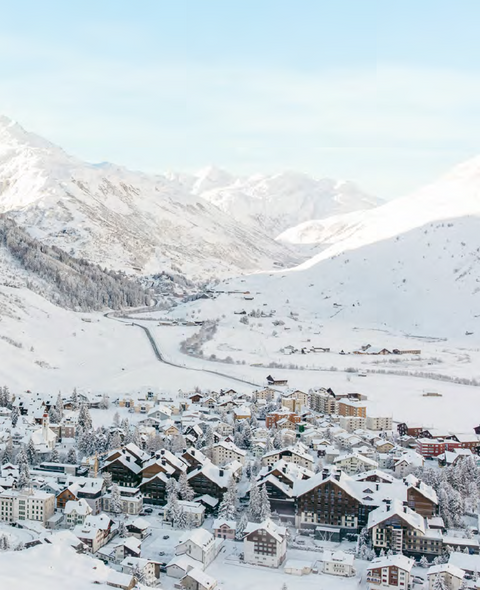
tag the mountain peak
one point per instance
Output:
(13, 136)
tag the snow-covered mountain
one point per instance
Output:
(123, 219)
(412, 264)
(278, 202)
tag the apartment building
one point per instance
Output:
(26, 505)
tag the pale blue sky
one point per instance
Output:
(379, 91)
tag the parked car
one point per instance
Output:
(166, 536)
(148, 510)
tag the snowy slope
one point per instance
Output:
(123, 219)
(411, 265)
(278, 202)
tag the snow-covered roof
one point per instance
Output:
(338, 556)
(230, 446)
(396, 508)
(466, 562)
(184, 562)
(218, 522)
(358, 457)
(448, 568)
(200, 537)
(276, 531)
(426, 491)
(78, 506)
(201, 578)
(400, 561)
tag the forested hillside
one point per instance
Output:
(75, 283)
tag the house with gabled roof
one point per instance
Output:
(198, 544)
(196, 579)
(265, 544)
(390, 573)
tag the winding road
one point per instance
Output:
(160, 357)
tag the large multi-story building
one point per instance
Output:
(351, 407)
(265, 544)
(224, 452)
(323, 402)
(26, 505)
(379, 422)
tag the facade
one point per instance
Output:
(323, 402)
(390, 573)
(348, 407)
(355, 463)
(148, 569)
(328, 500)
(131, 500)
(95, 532)
(76, 512)
(451, 575)
(26, 505)
(379, 423)
(265, 544)
(196, 579)
(338, 563)
(396, 527)
(225, 452)
(272, 419)
(352, 423)
(224, 529)
(198, 544)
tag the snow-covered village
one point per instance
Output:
(240, 295)
(223, 489)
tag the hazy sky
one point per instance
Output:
(384, 92)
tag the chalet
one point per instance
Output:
(193, 459)
(265, 544)
(297, 454)
(390, 573)
(138, 528)
(329, 499)
(125, 465)
(209, 479)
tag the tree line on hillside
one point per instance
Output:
(78, 284)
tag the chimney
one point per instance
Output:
(221, 472)
(192, 452)
(324, 474)
(377, 487)
(128, 458)
(164, 462)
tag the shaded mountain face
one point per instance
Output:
(122, 219)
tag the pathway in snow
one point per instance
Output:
(161, 358)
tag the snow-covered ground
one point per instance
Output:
(104, 355)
